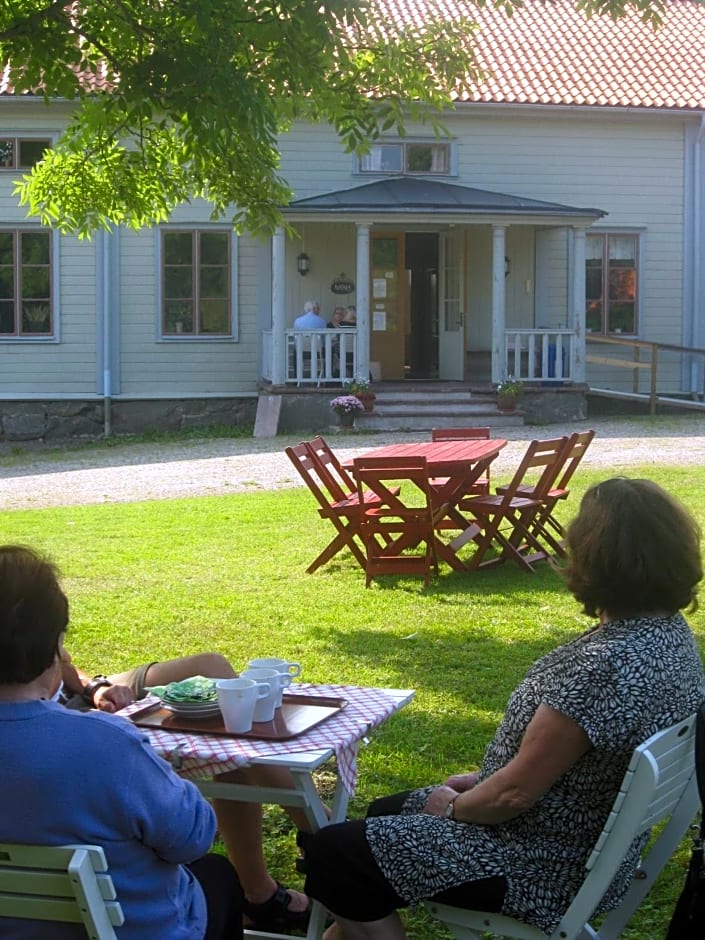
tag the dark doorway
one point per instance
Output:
(422, 271)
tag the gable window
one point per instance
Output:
(408, 158)
(196, 283)
(21, 153)
(25, 284)
(611, 283)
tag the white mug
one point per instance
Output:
(237, 699)
(284, 667)
(265, 707)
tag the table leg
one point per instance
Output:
(304, 795)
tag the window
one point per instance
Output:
(196, 283)
(25, 284)
(610, 283)
(21, 153)
(407, 157)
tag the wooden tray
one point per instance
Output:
(297, 714)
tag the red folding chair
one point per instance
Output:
(506, 521)
(481, 485)
(546, 526)
(396, 523)
(343, 514)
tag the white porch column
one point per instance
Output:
(576, 310)
(278, 307)
(498, 303)
(362, 294)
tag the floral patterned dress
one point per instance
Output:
(621, 683)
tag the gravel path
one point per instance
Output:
(128, 472)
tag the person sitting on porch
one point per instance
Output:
(336, 319)
(267, 904)
(350, 318)
(311, 318)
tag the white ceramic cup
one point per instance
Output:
(237, 699)
(265, 707)
(283, 666)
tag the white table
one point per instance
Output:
(200, 756)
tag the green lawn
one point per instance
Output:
(158, 579)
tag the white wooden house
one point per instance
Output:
(565, 205)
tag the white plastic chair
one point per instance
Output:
(659, 785)
(66, 884)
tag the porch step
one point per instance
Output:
(423, 407)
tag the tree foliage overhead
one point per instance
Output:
(183, 98)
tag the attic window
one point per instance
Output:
(21, 153)
(408, 158)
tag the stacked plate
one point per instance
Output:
(191, 698)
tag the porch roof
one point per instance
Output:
(405, 195)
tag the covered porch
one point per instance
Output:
(444, 276)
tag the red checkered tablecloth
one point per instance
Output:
(199, 755)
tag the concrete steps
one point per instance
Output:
(420, 407)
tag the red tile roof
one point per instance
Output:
(549, 53)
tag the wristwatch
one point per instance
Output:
(97, 682)
(450, 808)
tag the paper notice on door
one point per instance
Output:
(379, 287)
(379, 320)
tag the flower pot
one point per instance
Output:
(347, 419)
(367, 400)
(507, 403)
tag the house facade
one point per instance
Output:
(564, 205)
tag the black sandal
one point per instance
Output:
(274, 915)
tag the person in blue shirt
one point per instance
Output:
(311, 318)
(74, 777)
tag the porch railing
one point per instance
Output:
(314, 357)
(539, 355)
(657, 370)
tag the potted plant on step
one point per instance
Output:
(346, 407)
(508, 394)
(359, 386)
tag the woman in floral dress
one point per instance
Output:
(514, 837)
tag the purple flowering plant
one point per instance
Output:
(344, 404)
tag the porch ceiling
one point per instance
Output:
(409, 196)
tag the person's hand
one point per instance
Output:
(111, 698)
(437, 803)
(463, 782)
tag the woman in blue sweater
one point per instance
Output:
(71, 777)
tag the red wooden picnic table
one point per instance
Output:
(453, 468)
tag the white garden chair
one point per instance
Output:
(66, 884)
(659, 785)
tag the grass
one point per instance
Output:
(152, 580)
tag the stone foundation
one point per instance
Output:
(66, 420)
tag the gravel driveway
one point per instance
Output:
(128, 472)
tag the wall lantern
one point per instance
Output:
(507, 266)
(303, 264)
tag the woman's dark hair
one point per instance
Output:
(631, 548)
(34, 613)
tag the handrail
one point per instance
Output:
(637, 365)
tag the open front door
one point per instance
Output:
(451, 327)
(389, 304)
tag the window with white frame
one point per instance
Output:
(611, 274)
(21, 153)
(25, 284)
(196, 283)
(407, 157)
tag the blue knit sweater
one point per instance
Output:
(72, 777)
